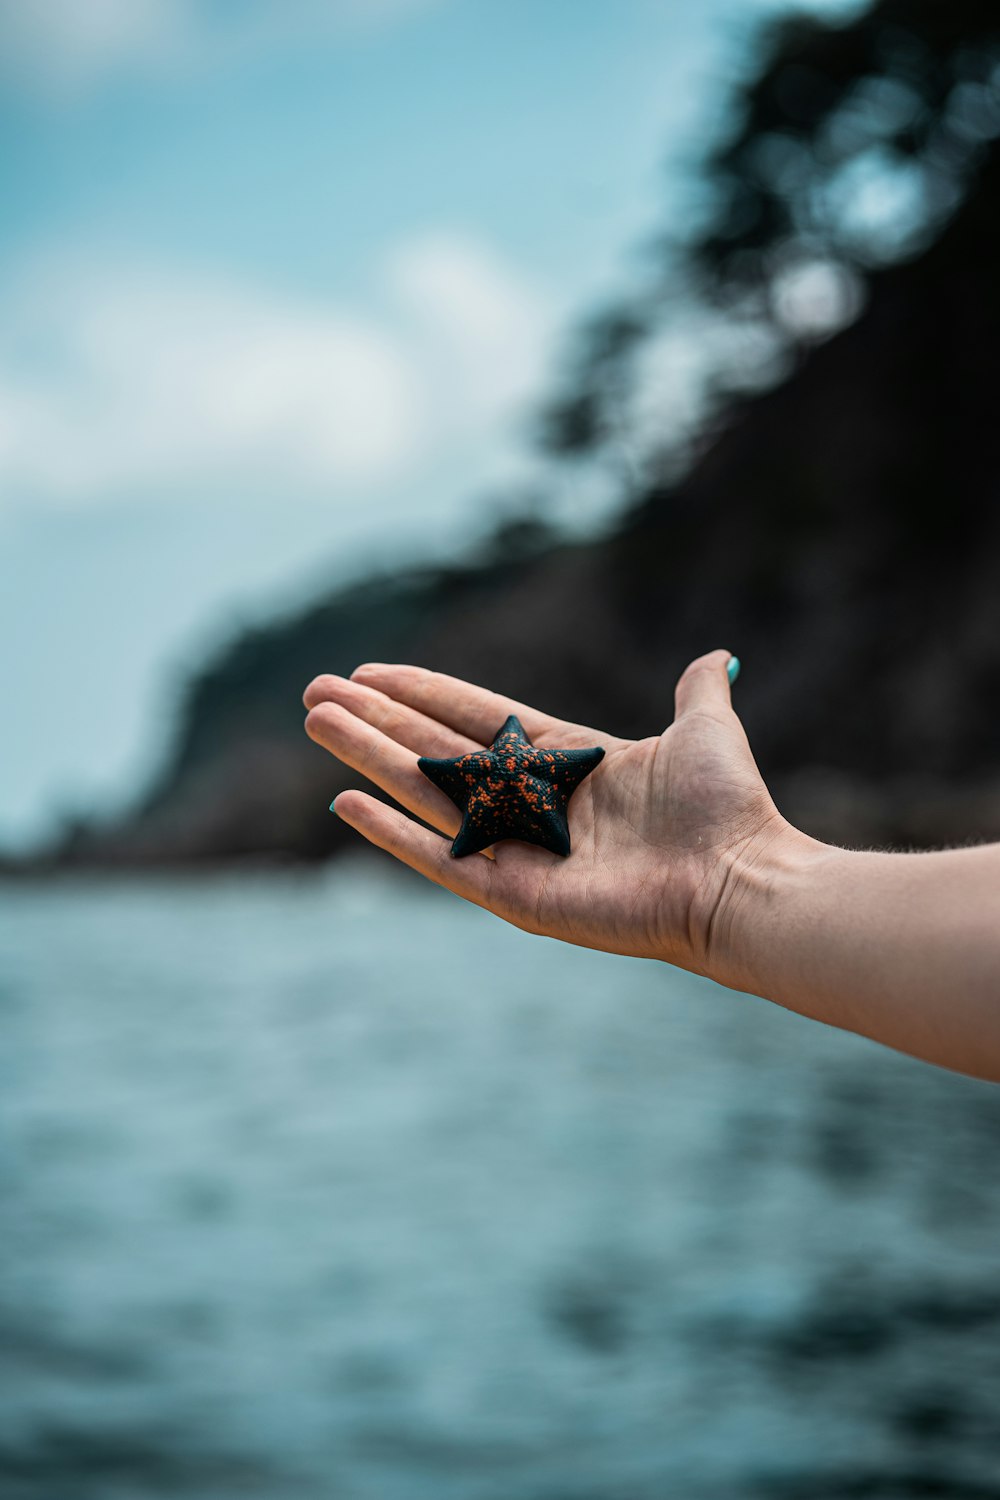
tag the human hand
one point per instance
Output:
(664, 832)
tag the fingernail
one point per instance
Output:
(333, 808)
(733, 669)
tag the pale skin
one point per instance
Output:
(679, 854)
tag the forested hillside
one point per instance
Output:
(839, 530)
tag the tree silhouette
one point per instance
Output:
(848, 149)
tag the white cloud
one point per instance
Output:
(485, 328)
(127, 379)
(56, 45)
(55, 42)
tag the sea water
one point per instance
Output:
(331, 1185)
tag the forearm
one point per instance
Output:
(904, 948)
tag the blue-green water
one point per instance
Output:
(332, 1186)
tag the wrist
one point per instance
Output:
(757, 892)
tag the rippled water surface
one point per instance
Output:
(336, 1187)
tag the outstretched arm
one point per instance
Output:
(680, 854)
(904, 948)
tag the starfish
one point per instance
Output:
(513, 790)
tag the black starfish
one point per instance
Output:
(513, 790)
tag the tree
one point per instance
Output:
(849, 148)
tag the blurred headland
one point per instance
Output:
(835, 518)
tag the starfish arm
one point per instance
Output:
(444, 775)
(553, 834)
(510, 736)
(472, 838)
(456, 777)
(566, 768)
(550, 831)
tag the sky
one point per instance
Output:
(280, 286)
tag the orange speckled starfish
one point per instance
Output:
(513, 790)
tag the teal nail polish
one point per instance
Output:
(333, 808)
(733, 669)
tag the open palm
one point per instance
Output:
(655, 829)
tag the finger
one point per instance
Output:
(405, 725)
(464, 707)
(379, 758)
(704, 685)
(473, 877)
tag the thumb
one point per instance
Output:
(705, 683)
